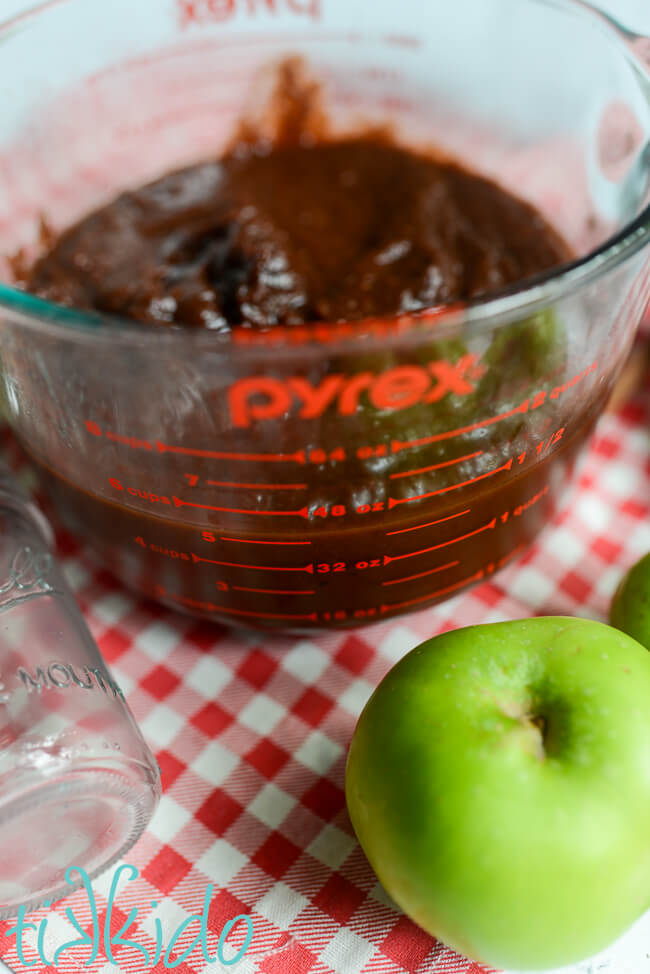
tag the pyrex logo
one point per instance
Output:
(260, 398)
(203, 12)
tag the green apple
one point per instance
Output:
(499, 783)
(631, 606)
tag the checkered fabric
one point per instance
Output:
(251, 736)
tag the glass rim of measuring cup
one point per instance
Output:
(523, 299)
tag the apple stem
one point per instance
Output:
(541, 723)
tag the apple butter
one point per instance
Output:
(409, 474)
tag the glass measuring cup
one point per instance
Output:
(328, 475)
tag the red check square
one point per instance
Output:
(257, 669)
(295, 959)
(224, 906)
(167, 870)
(170, 768)
(267, 758)
(354, 655)
(212, 719)
(407, 945)
(325, 799)
(575, 586)
(606, 549)
(312, 707)
(339, 898)
(219, 811)
(160, 682)
(113, 644)
(276, 855)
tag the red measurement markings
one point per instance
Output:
(432, 571)
(281, 616)
(274, 591)
(303, 512)
(400, 40)
(262, 568)
(437, 466)
(161, 593)
(523, 508)
(429, 524)
(394, 502)
(250, 541)
(161, 550)
(227, 483)
(299, 457)
(519, 550)
(444, 544)
(211, 607)
(330, 333)
(433, 595)
(398, 445)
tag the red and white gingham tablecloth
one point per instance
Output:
(251, 735)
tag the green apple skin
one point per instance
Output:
(630, 610)
(499, 783)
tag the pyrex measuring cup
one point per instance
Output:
(328, 475)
